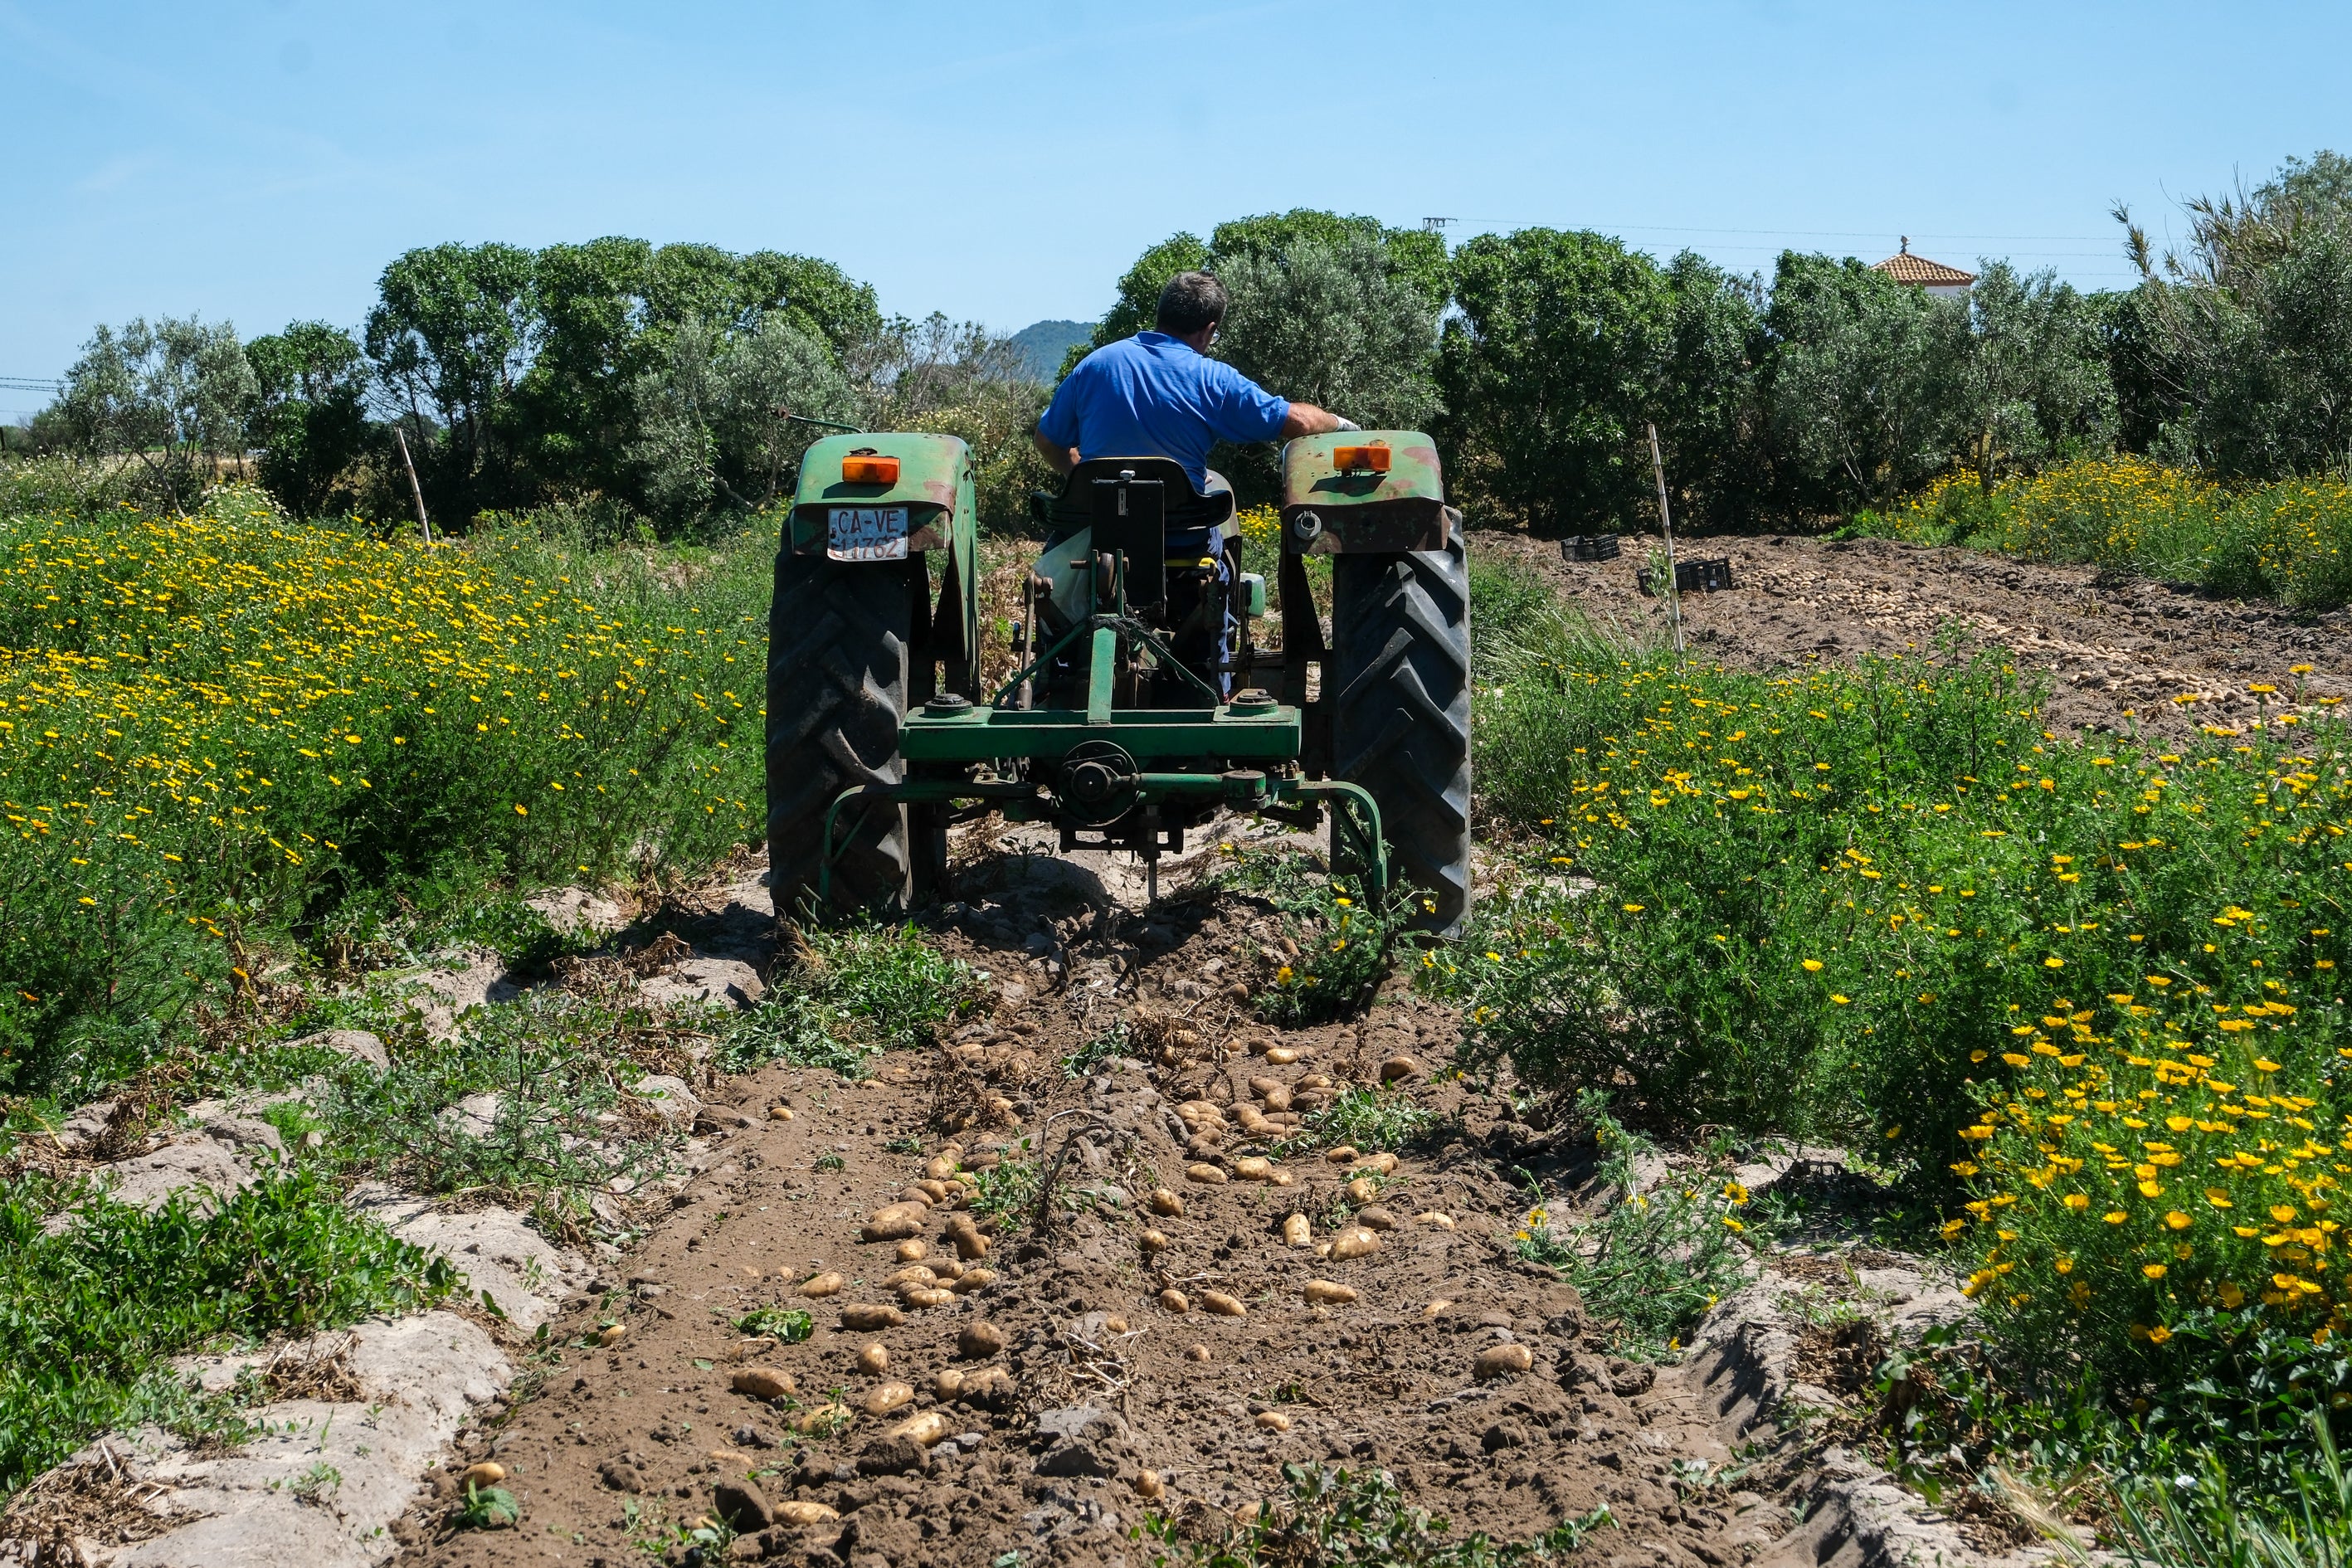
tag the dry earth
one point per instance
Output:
(2117, 650)
(1475, 1378)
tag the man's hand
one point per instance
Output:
(1306, 419)
(1060, 459)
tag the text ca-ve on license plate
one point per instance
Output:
(867, 533)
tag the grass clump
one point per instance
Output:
(1343, 1518)
(2290, 540)
(97, 1309)
(1654, 1262)
(849, 993)
(226, 732)
(1369, 1118)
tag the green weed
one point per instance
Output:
(1654, 1261)
(97, 1309)
(780, 1323)
(1383, 1118)
(850, 992)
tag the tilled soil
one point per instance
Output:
(2117, 649)
(1078, 1373)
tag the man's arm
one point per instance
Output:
(1060, 459)
(1306, 419)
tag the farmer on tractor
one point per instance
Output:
(1140, 701)
(1159, 394)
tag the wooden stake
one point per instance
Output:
(416, 491)
(1666, 517)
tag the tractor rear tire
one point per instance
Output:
(1399, 689)
(838, 635)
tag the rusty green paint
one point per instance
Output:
(935, 484)
(1403, 509)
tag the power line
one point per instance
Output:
(29, 384)
(1820, 233)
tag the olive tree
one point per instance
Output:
(711, 418)
(170, 398)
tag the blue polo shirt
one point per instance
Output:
(1151, 396)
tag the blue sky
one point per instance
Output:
(260, 159)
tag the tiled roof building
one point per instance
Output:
(1933, 275)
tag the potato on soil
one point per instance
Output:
(1343, 1154)
(1355, 1242)
(1296, 1232)
(935, 1192)
(940, 1168)
(1196, 1352)
(871, 1315)
(1498, 1360)
(991, 1387)
(1221, 1305)
(1166, 1204)
(896, 1222)
(1329, 1292)
(612, 1334)
(799, 1512)
(1283, 1056)
(927, 1428)
(914, 1249)
(972, 1281)
(1397, 1067)
(1373, 1217)
(763, 1383)
(925, 1295)
(1438, 1307)
(823, 1418)
(1114, 1324)
(1362, 1190)
(829, 1283)
(888, 1397)
(1209, 1175)
(780, 1113)
(1272, 1421)
(488, 1473)
(1146, 1484)
(1253, 1168)
(1437, 1219)
(946, 1384)
(873, 1360)
(1385, 1163)
(1172, 1300)
(913, 1274)
(979, 1340)
(1154, 1241)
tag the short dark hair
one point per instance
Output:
(1191, 300)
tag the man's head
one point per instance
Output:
(1190, 304)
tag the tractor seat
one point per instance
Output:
(1187, 509)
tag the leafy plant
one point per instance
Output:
(1383, 1118)
(781, 1323)
(487, 1508)
(849, 993)
(1656, 1260)
(101, 1301)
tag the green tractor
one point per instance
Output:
(1142, 701)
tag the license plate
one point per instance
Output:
(867, 533)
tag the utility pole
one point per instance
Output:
(415, 490)
(1434, 225)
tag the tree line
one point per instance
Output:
(655, 383)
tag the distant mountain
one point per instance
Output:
(1044, 345)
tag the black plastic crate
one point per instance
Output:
(1588, 547)
(1690, 577)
